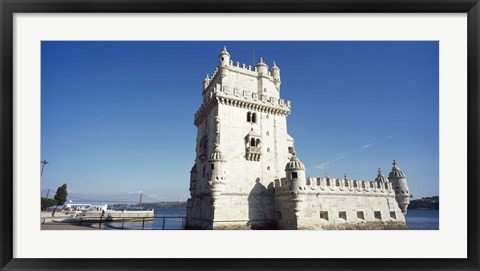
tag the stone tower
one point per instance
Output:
(246, 174)
(242, 147)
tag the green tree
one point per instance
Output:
(61, 195)
(47, 203)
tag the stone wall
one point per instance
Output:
(327, 203)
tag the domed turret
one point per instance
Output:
(217, 179)
(396, 172)
(399, 182)
(216, 155)
(275, 72)
(224, 58)
(294, 164)
(295, 171)
(380, 177)
(261, 67)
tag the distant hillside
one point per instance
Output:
(165, 204)
(427, 203)
(152, 205)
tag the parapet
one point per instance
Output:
(341, 186)
(244, 99)
(242, 69)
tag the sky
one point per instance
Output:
(117, 117)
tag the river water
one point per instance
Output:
(416, 220)
(422, 219)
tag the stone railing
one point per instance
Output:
(253, 153)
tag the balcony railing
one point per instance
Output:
(253, 153)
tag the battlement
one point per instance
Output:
(242, 98)
(341, 186)
(245, 70)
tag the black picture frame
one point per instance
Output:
(9, 7)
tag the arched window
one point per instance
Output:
(254, 117)
(252, 142)
(249, 117)
(268, 149)
(268, 133)
(258, 143)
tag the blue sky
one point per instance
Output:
(117, 117)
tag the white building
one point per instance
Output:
(247, 175)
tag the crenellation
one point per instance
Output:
(341, 186)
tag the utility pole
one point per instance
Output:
(140, 204)
(43, 162)
(48, 192)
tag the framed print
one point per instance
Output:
(378, 168)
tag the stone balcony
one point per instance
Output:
(253, 153)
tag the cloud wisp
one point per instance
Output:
(366, 146)
(325, 164)
(341, 155)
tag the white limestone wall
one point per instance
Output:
(313, 204)
(249, 184)
(284, 211)
(244, 209)
(199, 213)
(336, 196)
(242, 174)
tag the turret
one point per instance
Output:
(380, 177)
(217, 179)
(206, 81)
(275, 72)
(261, 67)
(224, 58)
(399, 182)
(295, 171)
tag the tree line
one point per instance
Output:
(59, 199)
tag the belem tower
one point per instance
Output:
(247, 175)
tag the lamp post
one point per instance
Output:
(43, 162)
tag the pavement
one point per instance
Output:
(65, 226)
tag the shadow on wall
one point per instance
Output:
(260, 204)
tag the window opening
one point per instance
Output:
(324, 215)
